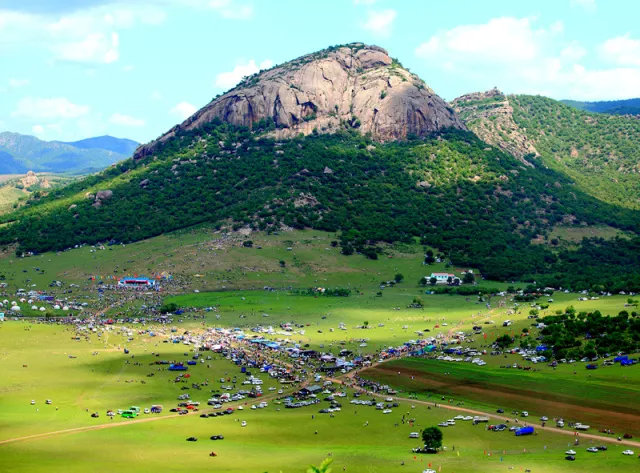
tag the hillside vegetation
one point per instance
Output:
(599, 152)
(479, 205)
(15, 190)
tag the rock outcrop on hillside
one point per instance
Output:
(490, 116)
(32, 179)
(352, 86)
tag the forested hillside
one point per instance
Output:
(599, 152)
(479, 205)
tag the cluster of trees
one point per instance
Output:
(464, 290)
(588, 334)
(337, 292)
(480, 207)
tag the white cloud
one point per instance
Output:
(500, 40)
(226, 80)
(15, 83)
(94, 48)
(58, 107)
(589, 5)
(380, 22)
(573, 52)
(184, 110)
(232, 10)
(125, 120)
(83, 35)
(50, 129)
(622, 50)
(519, 56)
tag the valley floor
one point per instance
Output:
(84, 371)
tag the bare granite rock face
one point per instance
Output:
(32, 179)
(352, 86)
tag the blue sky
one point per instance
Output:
(78, 68)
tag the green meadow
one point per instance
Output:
(93, 374)
(275, 439)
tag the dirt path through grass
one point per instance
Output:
(122, 424)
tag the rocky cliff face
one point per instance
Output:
(490, 116)
(352, 86)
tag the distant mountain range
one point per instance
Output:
(22, 153)
(614, 107)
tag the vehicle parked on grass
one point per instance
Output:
(528, 430)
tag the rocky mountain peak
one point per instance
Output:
(349, 86)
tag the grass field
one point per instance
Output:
(36, 364)
(99, 377)
(571, 236)
(441, 314)
(209, 260)
(274, 440)
(9, 195)
(605, 398)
